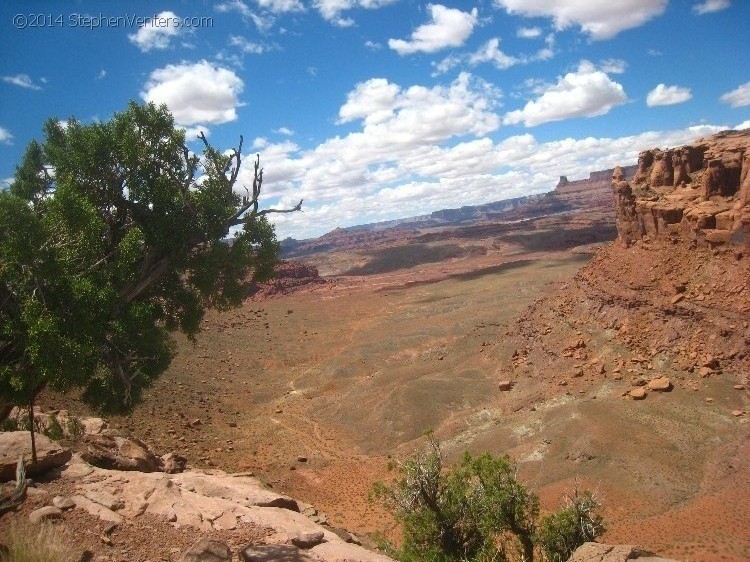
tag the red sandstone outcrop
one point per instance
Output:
(290, 276)
(698, 193)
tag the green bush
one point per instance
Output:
(54, 430)
(75, 427)
(478, 511)
(576, 523)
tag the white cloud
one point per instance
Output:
(22, 80)
(6, 182)
(284, 131)
(157, 32)
(448, 27)
(281, 6)
(245, 45)
(489, 52)
(587, 92)
(668, 95)
(237, 6)
(528, 32)
(191, 133)
(331, 10)
(5, 136)
(709, 6)
(613, 66)
(601, 20)
(344, 187)
(195, 93)
(744, 125)
(373, 45)
(102, 74)
(739, 97)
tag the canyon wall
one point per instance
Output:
(698, 193)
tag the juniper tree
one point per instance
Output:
(112, 236)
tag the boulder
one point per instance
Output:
(308, 540)
(276, 552)
(504, 385)
(45, 513)
(119, 453)
(637, 393)
(660, 384)
(172, 463)
(595, 552)
(347, 552)
(14, 444)
(207, 550)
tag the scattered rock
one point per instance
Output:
(637, 393)
(638, 381)
(14, 444)
(63, 503)
(738, 413)
(505, 385)
(106, 499)
(739, 387)
(660, 384)
(172, 463)
(276, 552)
(308, 540)
(45, 513)
(207, 550)
(596, 552)
(119, 453)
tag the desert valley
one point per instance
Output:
(599, 334)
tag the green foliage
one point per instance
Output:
(54, 430)
(74, 427)
(576, 523)
(112, 236)
(475, 511)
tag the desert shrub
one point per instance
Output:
(54, 430)
(9, 424)
(27, 543)
(74, 427)
(478, 511)
(576, 523)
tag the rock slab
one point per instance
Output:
(14, 444)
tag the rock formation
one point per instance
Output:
(628, 228)
(712, 211)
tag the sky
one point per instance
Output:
(372, 110)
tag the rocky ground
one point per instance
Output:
(621, 366)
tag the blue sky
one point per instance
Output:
(379, 109)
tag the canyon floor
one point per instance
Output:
(317, 390)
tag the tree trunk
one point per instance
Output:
(31, 429)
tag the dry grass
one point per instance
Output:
(36, 543)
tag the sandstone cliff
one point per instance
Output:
(698, 193)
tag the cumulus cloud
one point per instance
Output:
(709, 6)
(528, 32)
(284, 131)
(448, 27)
(587, 92)
(198, 93)
(601, 20)
(331, 10)
(668, 95)
(344, 191)
(22, 81)
(156, 32)
(5, 136)
(739, 97)
(744, 125)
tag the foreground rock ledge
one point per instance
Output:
(208, 501)
(595, 552)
